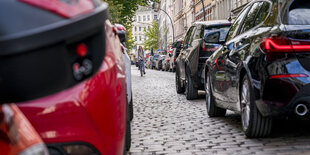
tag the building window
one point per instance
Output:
(135, 29)
(140, 38)
(139, 18)
(144, 19)
(155, 17)
(135, 18)
(136, 38)
(139, 28)
(148, 17)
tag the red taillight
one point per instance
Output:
(287, 76)
(81, 50)
(175, 59)
(285, 45)
(67, 10)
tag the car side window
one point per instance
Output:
(196, 35)
(263, 13)
(249, 20)
(188, 36)
(235, 27)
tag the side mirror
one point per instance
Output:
(213, 37)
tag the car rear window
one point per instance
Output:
(222, 28)
(298, 13)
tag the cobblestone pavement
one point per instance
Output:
(166, 123)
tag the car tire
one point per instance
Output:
(128, 131)
(254, 124)
(212, 109)
(191, 92)
(180, 89)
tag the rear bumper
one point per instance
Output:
(279, 96)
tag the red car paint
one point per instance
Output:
(67, 10)
(93, 111)
(16, 133)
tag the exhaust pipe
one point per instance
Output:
(301, 109)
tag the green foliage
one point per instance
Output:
(152, 36)
(123, 11)
(129, 39)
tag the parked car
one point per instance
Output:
(121, 31)
(159, 62)
(149, 62)
(191, 60)
(154, 60)
(17, 136)
(166, 62)
(75, 51)
(177, 46)
(262, 71)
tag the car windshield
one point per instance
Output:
(223, 29)
(299, 13)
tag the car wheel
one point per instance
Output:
(128, 132)
(212, 109)
(190, 91)
(254, 124)
(179, 87)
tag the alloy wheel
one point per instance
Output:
(208, 93)
(245, 105)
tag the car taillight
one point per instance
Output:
(67, 9)
(287, 76)
(285, 45)
(175, 59)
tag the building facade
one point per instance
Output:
(166, 30)
(238, 6)
(142, 21)
(203, 10)
(183, 17)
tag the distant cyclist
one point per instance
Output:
(140, 55)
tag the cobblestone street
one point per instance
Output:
(166, 123)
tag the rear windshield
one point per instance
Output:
(222, 28)
(299, 12)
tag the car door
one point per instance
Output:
(193, 52)
(219, 76)
(184, 52)
(238, 52)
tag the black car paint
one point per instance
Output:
(191, 59)
(242, 55)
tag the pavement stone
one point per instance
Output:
(166, 123)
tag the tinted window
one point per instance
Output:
(299, 13)
(188, 35)
(222, 28)
(235, 27)
(263, 13)
(249, 20)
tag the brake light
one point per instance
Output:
(287, 76)
(81, 50)
(285, 45)
(175, 59)
(67, 9)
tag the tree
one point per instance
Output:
(151, 35)
(129, 40)
(123, 11)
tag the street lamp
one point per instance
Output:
(156, 8)
(203, 9)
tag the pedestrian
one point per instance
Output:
(140, 55)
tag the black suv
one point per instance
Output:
(191, 60)
(263, 69)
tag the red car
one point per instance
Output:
(17, 136)
(71, 47)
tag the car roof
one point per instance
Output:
(214, 22)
